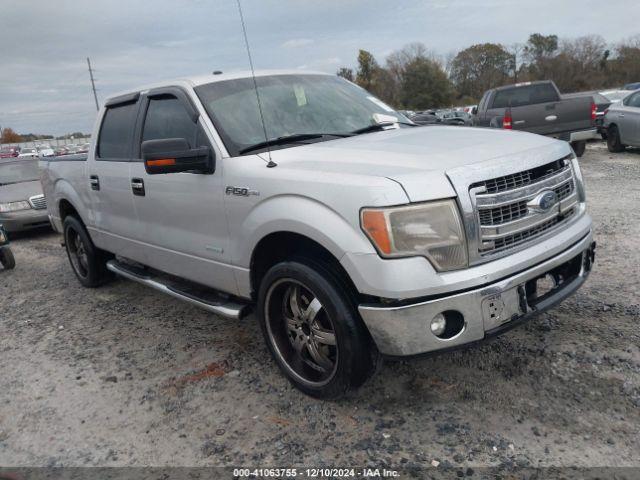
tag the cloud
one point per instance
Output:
(44, 82)
(297, 43)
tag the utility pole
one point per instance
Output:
(93, 83)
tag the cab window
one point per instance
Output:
(525, 95)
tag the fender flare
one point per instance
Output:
(303, 216)
(65, 191)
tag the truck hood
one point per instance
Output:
(15, 192)
(419, 157)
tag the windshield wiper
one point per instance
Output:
(380, 126)
(296, 137)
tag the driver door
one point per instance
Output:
(181, 218)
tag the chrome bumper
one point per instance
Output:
(24, 220)
(590, 134)
(405, 330)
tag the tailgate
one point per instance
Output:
(540, 118)
(566, 115)
(574, 114)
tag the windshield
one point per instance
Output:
(291, 104)
(21, 171)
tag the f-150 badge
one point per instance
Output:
(240, 191)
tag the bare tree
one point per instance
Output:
(517, 58)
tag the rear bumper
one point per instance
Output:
(581, 135)
(405, 330)
(24, 220)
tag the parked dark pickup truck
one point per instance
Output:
(538, 107)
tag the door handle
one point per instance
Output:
(551, 118)
(519, 122)
(137, 186)
(621, 115)
(94, 181)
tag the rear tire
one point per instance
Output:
(614, 143)
(313, 330)
(88, 262)
(7, 259)
(579, 147)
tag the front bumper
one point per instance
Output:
(404, 330)
(24, 220)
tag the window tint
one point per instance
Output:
(116, 132)
(634, 100)
(481, 105)
(167, 118)
(526, 95)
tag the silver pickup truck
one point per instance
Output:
(539, 107)
(354, 234)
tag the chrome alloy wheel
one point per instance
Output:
(78, 253)
(301, 332)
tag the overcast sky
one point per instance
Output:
(44, 83)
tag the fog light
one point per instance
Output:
(438, 325)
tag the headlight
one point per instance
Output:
(433, 230)
(14, 206)
(3, 237)
(578, 174)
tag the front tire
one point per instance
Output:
(313, 330)
(614, 143)
(87, 261)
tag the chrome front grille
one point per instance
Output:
(520, 179)
(38, 202)
(513, 211)
(517, 238)
(510, 211)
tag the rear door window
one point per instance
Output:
(116, 132)
(525, 95)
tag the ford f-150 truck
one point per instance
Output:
(354, 234)
(538, 107)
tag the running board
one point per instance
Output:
(213, 302)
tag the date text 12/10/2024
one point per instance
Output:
(315, 473)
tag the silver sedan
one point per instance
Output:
(622, 122)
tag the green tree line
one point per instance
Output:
(415, 78)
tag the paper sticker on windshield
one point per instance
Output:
(301, 98)
(381, 104)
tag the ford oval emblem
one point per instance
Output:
(544, 202)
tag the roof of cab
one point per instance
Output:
(198, 80)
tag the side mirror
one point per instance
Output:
(173, 155)
(474, 111)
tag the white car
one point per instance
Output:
(29, 152)
(47, 152)
(615, 96)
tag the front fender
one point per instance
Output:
(301, 215)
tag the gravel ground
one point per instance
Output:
(122, 375)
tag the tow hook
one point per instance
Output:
(589, 257)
